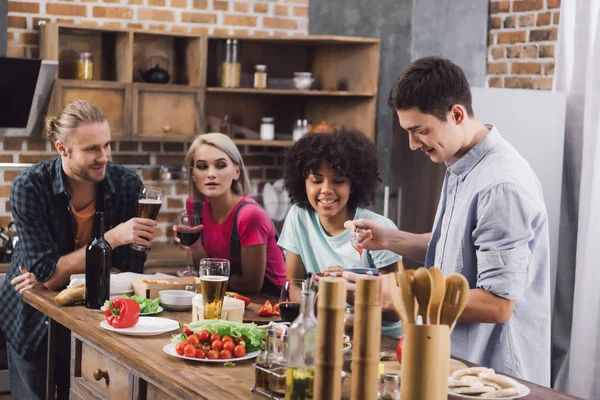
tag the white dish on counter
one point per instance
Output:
(146, 326)
(523, 391)
(159, 310)
(170, 350)
(176, 300)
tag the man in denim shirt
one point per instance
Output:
(491, 224)
(53, 204)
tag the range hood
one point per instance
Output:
(25, 88)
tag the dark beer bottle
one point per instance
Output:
(97, 266)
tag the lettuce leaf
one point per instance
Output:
(147, 306)
(254, 336)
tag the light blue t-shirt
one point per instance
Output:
(304, 235)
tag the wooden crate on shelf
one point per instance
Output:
(344, 92)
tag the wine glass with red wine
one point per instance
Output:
(289, 300)
(188, 232)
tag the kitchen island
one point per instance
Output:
(105, 364)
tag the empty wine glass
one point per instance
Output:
(188, 232)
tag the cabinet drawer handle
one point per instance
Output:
(99, 374)
(166, 129)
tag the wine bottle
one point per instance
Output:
(97, 266)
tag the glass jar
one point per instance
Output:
(260, 76)
(231, 68)
(302, 348)
(84, 70)
(265, 361)
(349, 322)
(300, 129)
(389, 387)
(267, 128)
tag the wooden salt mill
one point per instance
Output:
(367, 338)
(329, 357)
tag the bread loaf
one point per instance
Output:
(71, 296)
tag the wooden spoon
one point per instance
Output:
(455, 299)
(408, 298)
(438, 288)
(397, 299)
(422, 290)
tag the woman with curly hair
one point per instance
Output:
(330, 178)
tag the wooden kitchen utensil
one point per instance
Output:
(422, 291)
(438, 288)
(425, 362)
(408, 298)
(455, 299)
(397, 298)
(367, 338)
(329, 358)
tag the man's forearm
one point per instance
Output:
(486, 307)
(72, 263)
(410, 245)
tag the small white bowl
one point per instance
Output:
(303, 83)
(176, 300)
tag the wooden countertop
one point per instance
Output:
(193, 379)
(164, 257)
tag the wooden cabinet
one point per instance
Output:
(167, 113)
(344, 92)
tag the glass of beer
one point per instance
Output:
(214, 275)
(149, 202)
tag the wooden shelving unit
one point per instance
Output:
(344, 92)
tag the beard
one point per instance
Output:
(85, 173)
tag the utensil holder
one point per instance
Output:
(425, 362)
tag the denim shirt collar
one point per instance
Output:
(466, 163)
(59, 182)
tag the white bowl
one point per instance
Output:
(176, 300)
(303, 83)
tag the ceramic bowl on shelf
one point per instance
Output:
(303, 80)
(176, 300)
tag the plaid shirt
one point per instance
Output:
(41, 209)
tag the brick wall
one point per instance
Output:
(521, 43)
(239, 17)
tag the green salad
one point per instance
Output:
(147, 306)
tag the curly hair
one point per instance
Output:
(347, 153)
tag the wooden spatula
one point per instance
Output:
(408, 298)
(422, 290)
(397, 298)
(455, 299)
(438, 288)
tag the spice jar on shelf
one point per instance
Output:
(267, 128)
(260, 76)
(231, 68)
(84, 70)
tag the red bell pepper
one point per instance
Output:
(235, 295)
(122, 313)
(266, 310)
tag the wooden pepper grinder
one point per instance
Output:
(329, 358)
(367, 338)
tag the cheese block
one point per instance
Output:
(233, 309)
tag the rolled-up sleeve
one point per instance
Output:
(506, 217)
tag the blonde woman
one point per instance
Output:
(234, 226)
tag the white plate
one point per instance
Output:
(523, 391)
(159, 310)
(170, 350)
(146, 326)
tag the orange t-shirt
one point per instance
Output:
(84, 224)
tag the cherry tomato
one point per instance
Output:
(227, 338)
(240, 340)
(399, 350)
(239, 351)
(187, 331)
(189, 350)
(193, 339)
(213, 355)
(200, 353)
(179, 347)
(228, 346)
(215, 336)
(225, 354)
(204, 336)
(217, 345)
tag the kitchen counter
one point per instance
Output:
(154, 374)
(164, 257)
